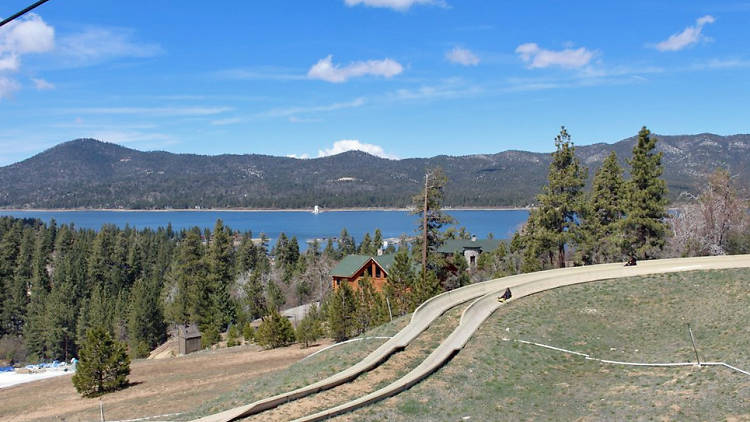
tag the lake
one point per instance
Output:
(304, 225)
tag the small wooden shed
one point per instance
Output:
(188, 338)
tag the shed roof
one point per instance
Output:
(349, 266)
(189, 331)
(451, 246)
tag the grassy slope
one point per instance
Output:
(636, 319)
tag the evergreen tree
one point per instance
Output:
(644, 226)
(255, 298)
(401, 280)
(275, 331)
(60, 322)
(341, 309)
(146, 328)
(104, 365)
(377, 241)
(459, 274)
(555, 224)
(365, 248)
(601, 236)
(310, 329)
(221, 276)
(346, 243)
(432, 194)
(274, 296)
(188, 279)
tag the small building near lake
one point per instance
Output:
(353, 268)
(469, 248)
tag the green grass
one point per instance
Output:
(635, 319)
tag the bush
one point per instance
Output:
(209, 336)
(248, 332)
(275, 331)
(233, 336)
(310, 329)
(104, 364)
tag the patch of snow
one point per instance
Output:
(8, 379)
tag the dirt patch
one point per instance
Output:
(159, 386)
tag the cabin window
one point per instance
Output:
(378, 274)
(472, 260)
(368, 271)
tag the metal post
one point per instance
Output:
(389, 307)
(101, 410)
(695, 349)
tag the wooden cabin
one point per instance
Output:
(469, 248)
(188, 338)
(353, 268)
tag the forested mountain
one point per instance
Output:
(86, 173)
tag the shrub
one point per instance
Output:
(233, 336)
(104, 364)
(12, 349)
(209, 336)
(248, 332)
(310, 329)
(275, 331)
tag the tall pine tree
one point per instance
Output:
(644, 226)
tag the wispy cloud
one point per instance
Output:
(291, 111)
(7, 87)
(399, 5)
(355, 145)
(261, 73)
(689, 36)
(538, 57)
(99, 44)
(42, 85)
(153, 111)
(327, 71)
(462, 56)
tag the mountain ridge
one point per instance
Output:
(87, 173)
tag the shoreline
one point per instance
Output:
(322, 210)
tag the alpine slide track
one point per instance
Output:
(483, 298)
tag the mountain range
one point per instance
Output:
(86, 173)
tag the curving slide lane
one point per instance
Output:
(522, 285)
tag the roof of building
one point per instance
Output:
(189, 331)
(451, 246)
(349, 266)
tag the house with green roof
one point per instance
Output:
(469, 248)
(353, 268)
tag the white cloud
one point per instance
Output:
(42, 85)
(462, 56)
(158, 111)
(7, 87)
(355, 145)
(537, 57)
(400, 5)
(27, 35)
(689, 36)
(291, 111)
(95, 45)
(325, 70)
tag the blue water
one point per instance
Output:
(304, 225)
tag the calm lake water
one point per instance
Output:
(304, 225)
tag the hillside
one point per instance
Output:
(86, 173)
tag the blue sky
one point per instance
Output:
(399, 78)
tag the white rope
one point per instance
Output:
(617, 362)
(344, 342)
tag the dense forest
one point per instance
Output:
(86, 173)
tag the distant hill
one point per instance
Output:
(87, 173)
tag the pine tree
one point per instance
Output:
(559, 203)
(365, 248)
(275, 331)
(274, 296)
(188, 279)
(146, 328)
(60, 322)
(310, 329)
(644, 226)
(601, 236)
(221, 276)
(341, 309)
(104, 365)
(401, 279)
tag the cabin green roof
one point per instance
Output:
(348, 266)
(451, 246)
